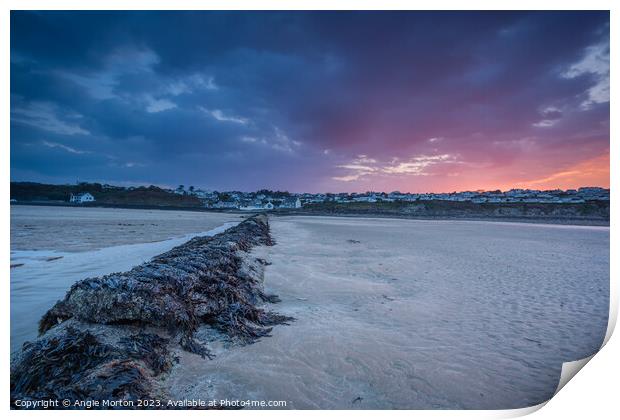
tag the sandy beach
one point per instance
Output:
(390, 313)
(416, 314)
(74, 229)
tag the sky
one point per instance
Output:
(311, 101)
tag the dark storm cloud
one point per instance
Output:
(287, 100)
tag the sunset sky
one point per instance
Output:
(312, 101)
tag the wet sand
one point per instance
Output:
(414, 314)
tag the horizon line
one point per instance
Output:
(168, 187)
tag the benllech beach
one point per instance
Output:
(377, 312)
(324, 210)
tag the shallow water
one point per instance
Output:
(417, 314)
(41, 276)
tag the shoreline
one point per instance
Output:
(529, 220)
(575, 221)
(126, 206)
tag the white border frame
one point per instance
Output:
(593, 394)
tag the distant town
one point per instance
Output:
(84, 193)
(270, 200)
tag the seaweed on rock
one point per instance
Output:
(151, 348)
(201, 281)
(89, 348)
(76, 364)
(48, 366)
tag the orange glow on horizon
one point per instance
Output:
(588, 173)
(593, 172)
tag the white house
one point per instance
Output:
(81, 198)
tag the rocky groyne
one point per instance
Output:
(113, 338)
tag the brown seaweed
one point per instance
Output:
(206, 281)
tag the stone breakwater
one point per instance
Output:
(113, 337)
